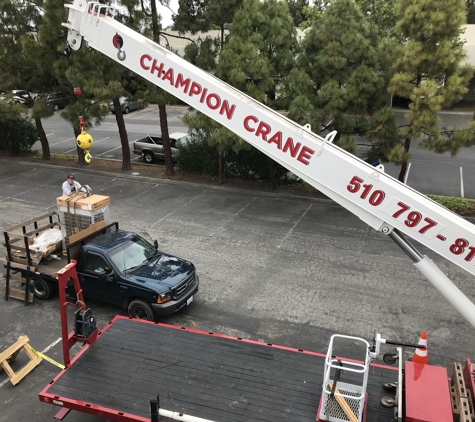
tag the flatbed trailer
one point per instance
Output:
(202, 374)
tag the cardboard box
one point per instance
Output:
(89, 203)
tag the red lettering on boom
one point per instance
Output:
(289, 144)
(225, 109)
(276, 139)
(195, 89)
(182, 82)
(212, 100)
(169, 76)
(213, 105)
(263, 129)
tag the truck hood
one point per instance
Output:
(163, 272)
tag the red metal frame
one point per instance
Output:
(69, 340)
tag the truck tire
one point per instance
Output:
(148, 157)
(42, 289)
(126, 111)
(140, 309)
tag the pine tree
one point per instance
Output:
(339, 78)
(259, 52)
(429, 74)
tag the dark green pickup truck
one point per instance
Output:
(123, 269)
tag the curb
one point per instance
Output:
(194, 185)
(178, 182)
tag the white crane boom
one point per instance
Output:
(378, 199)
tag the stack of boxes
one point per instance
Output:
(81, 215)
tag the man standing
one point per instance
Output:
(70, 186)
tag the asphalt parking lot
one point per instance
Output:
(291, 271)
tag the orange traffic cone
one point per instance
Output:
(420, 355)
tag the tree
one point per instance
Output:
(203, 15)
(259, 52)
(338, 83)
(470, 12)
(297, 9)
(428, 73)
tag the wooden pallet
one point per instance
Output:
(18, 292)
(462, 404)
(8, 356)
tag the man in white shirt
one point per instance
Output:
(71, 187)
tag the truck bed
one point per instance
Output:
(197, 373)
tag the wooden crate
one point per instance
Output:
(83, 202)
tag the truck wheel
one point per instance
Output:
(42, 289)
(148, 157)
(141, 310)
(56, 107)
(126, 111)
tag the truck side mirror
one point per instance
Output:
(155, 244)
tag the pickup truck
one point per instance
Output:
(121, 268)
(151, 147)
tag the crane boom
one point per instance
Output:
(376, 198)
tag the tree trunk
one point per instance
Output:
(43, 140)
(405, 158)
(271, 167)
(167, 151)
(221, 168)
(77, 132)
(162, 109)
(124, 140)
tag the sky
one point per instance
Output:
(166, 14)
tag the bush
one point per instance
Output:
(197, 157)
(19, 134)
(251, 164)
(460, 206)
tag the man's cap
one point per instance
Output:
(70, 176)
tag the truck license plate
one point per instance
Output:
(190, 299)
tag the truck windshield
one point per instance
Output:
(132, 254)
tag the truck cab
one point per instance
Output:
(123, 269)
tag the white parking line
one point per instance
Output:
(183, 206)
(133, 197)
(235, 215)
(43, 351)
(113, 149)
(289, 233)
(49, 134)
(2, 180)
(60, 142)
(29, 190)
(74, 149)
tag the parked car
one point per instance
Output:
(19, 96)
(151, 147)
(57, 100)
(127, 105)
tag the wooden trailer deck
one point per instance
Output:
(200, 374)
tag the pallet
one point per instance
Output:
(9, 356)
(461, 398)
(17, 292)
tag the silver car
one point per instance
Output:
(127, 105)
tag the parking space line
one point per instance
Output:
(289, 233)
(43, 351)
(66, 140)
(133, 197)
(235, 215)
(113, 149)
(29, 190)
(74, 149)
(2, 180)
(183, 206)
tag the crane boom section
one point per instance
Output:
(376, 198)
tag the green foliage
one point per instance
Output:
(197, 157)
(338, 82)
(297, 9)
(460, 206)
(428, 72)
(251, 164)
(18, 134)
